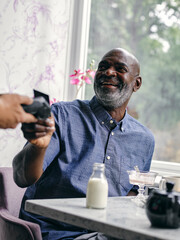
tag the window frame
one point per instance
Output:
(77, 58)
(78, 36)
(165, 168)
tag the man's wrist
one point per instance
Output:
(35, 147)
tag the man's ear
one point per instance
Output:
(137, 84)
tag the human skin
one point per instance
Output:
(117, 69)
(11, 111)
(117, 77)
(117, 72)
(27, 165)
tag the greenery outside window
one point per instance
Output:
(151, 31)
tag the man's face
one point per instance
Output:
(114, 79)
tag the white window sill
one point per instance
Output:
(166, 168)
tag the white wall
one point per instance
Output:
(34, 53)
(33, 45)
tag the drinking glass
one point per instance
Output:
(141, 179)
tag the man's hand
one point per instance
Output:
(28, 164)
(39, 133)
(132, 193)
(11, 111)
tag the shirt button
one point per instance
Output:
(111, 121)
(122, 129)
(108, 157)
(102, 122)
(112, 133)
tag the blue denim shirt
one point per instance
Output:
(85, 134)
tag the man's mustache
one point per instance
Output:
(110, 81)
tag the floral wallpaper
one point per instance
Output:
(33, 49)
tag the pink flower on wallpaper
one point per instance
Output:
(33, 14)
(54, 46)
(33, 36)
(47, 74)
(15, 4)
(32, 21)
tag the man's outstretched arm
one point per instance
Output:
(28, 164)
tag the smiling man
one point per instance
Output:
(116, 79)
(58, 163)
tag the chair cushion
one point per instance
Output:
(10, 194)
(13, 228)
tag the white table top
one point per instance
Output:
(121, 219)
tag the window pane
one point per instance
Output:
(151, 31)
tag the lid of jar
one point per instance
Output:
(168, 192)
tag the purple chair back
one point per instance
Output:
(10, 194)
(11, 227)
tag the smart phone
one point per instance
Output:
(40, 107)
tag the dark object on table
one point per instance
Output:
(163, 207)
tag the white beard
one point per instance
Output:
(115, 99)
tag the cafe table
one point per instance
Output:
(121, 219)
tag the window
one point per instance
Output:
(151, 31)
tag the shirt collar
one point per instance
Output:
(105, 118)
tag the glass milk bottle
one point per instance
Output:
(97, 189)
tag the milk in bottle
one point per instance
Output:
(97, 189)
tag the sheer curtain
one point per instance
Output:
(33, 54)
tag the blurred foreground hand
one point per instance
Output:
(11, 111)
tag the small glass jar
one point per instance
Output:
(97, 189)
